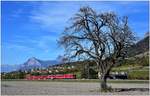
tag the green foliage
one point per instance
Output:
(138, 75)
(93, 74)
(21, 75)
(78, 75)
(35, 73)
(144, 61)
(87, 69)
(14, 75)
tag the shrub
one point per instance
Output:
(142, 75)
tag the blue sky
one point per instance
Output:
(31, 29)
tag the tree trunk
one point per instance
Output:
(104, 82)
(103, 74)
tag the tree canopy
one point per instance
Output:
(101, 37)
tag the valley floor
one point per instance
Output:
(66, 88)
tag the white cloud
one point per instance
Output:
(44, 43)
(11, 46)
(48, 15)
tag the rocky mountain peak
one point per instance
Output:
(33, 61)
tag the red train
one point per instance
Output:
(64, 76)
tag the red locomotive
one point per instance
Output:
(60, 76)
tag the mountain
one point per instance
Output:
(33, 62)
(140, 47)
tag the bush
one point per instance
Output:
(142, 75)
(145, 61)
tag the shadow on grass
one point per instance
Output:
(123, 90)
(130, 89)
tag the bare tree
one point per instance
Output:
(101, 37)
